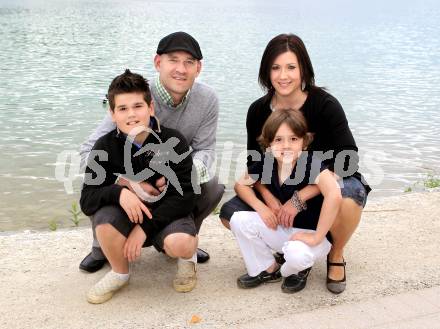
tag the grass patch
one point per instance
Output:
(53, 225)
(75, 212)
(431, 181)
(75, 217)
(216, 211)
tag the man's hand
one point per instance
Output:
(133, 206)
(161, 183)
(268, 217)
(287, 214)
(124, 182)
(312, 239)
(134, 243)
(146, 187)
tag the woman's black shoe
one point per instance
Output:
(336, 286)
(246, 281)
(295, 282)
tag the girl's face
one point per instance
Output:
(285, 74)
(286, 146)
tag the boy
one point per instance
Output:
(122, 221)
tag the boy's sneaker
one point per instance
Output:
(186, 277)
(246, 281)
(105, 288)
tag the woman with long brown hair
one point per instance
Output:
(286, 74)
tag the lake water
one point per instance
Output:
(382, 61)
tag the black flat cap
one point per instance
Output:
(179, 41)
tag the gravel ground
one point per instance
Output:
(394, 250)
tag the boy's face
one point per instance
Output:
(131, 111)
(286, 146)
(177, 72)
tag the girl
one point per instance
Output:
(284, 171)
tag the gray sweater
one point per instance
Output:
(196, 119)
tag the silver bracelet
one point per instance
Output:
(297, 202)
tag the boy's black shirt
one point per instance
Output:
(170, 207)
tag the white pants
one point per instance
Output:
(256, 242)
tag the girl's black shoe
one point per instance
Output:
(295, 282)
(279, 258)
(246, 281)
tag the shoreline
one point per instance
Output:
(86, 224)
(391, 253)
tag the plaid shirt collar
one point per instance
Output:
(166, 97)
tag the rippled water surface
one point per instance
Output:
(382, 61)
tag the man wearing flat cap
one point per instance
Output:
(190, 107)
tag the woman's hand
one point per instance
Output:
(287, 214)
(311, 239)
(134, 243)
(268, 217)
(133, 206)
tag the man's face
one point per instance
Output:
(131, 111)
(177, 72)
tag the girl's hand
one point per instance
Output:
(134, 243)
(311, 239)
(272, 202)
(133, 206)
(287, 214)
(268, 217)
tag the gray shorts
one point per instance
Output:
(207, 199)
(156, 234)
(350, 188)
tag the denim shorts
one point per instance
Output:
(353, 189)
(350, 188)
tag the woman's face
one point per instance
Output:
(285, 74)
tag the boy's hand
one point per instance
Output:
(272, 202)
(287, 214)
(312, 239)
(133, 206)
(268, 217)
(134, 243)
